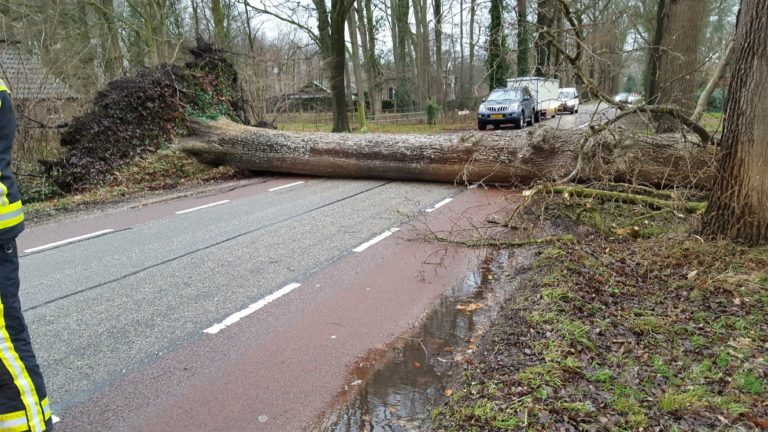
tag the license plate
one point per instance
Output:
(497, 116)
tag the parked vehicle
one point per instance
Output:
(568, 100)
(628, 98)
(514, 106)
(543, 90)
(621, 98)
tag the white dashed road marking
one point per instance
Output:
(71, 240)
(375, 240)
(440, 204)
(202, 207)
(285, 186)
(237, 316)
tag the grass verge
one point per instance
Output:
(622, 332)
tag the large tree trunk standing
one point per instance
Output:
(538, 154)
(738, 208)
(682, 27)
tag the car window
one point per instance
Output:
(504, 95)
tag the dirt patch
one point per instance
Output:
(639, 325)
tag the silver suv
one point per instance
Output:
(513, 105)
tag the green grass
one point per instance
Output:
(617, 322)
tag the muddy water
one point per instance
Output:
(395, 389)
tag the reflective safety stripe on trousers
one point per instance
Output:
(34, 412)
(17, 421)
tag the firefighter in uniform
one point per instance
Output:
(23, 399)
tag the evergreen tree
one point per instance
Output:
(497, 63)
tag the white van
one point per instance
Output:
(568, 100)
(545, 92)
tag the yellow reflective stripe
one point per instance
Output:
(15, 421)
(3, 190)
(20, 377)
(12, 221)
(11, 215)
(46, 408)
(10, 208)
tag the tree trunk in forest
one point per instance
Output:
(356, 69)
(544, 20)
(462, 86)
(113, 60)
(373, 61)
(683, 24)
(219, 32)
(523, 39)
(338, 65)
(404, 82)
(738, 208)
(470, 83)
(520, 157)
(653, 57)
(437, 10)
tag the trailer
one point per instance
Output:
(545, 92)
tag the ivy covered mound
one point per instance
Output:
(134, 116)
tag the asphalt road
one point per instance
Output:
(123, 305)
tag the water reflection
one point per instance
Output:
(399, 395)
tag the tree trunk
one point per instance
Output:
(653, 58)
(470, 82)
(437, 10)
(113, 61)
(462, 96)
(542, 154)
(368, 45)
(679, 59)
(356, 69)
(219, 32)
(338, 65)
(403, 86)
(738, 208)
(523, 39)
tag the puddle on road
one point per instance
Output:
(395, 389)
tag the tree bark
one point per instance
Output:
(357, 69)
(538, 154)
(437, 10)
(738, 208)
(113, 61)
(523, 39)
(338, 65)
(219, 32)
(679, 58)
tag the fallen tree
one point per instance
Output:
(517, 157)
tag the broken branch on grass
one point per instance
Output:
(628, 198)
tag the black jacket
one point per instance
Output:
(11, 214)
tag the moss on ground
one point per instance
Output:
(625, 332)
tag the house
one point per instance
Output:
(42, 102)
(37, 95)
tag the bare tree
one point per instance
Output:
(738, 208)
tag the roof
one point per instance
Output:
(26, 77)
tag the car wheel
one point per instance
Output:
(577, 109)
(519, 123)
(537, 116)
(530, 120)
(481, 126)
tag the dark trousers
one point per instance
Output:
(23, 399)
